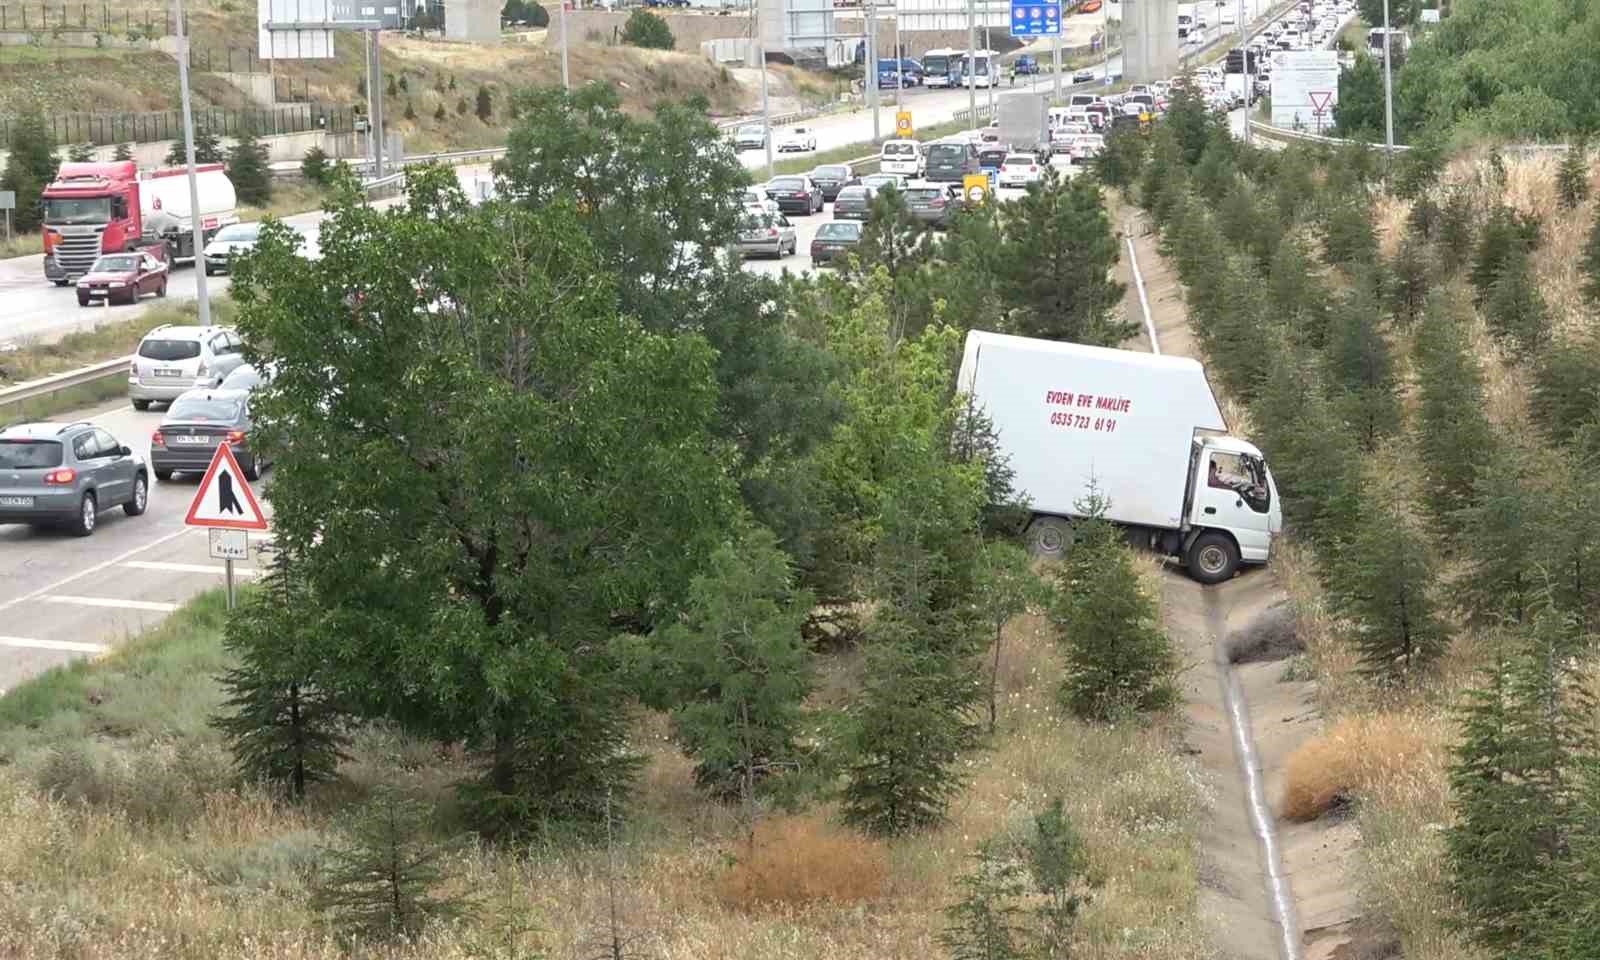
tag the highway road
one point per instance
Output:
(63, 597)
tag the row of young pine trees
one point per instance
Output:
(1477, 524)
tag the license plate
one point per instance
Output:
(16, 501)
(183, 439)
(168, 372)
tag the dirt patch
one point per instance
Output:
(1361, 939)
(1268, 638)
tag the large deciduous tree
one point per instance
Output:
(485, 466)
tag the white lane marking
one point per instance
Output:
(150, 605)
(66, 645)
(217, 569)
(8, 604)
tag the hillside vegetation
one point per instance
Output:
(1419, 354)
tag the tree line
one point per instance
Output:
(1397, 480)
(553, 459)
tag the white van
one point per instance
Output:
(903, 157)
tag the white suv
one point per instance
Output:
(172, 359)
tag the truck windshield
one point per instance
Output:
(78, 210)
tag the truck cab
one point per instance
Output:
(90, 209)
(1231, 492)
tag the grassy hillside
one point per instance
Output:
(107, 80)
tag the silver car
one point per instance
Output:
(231, 241)
(65, 474)
(769, 234)
(172, 359)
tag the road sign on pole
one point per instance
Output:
(224, 498)
(902, 124)
(1036, 18)
(1319, 106)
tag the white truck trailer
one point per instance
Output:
(1144, 430)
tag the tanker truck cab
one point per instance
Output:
(1142, 431)
(90, 209)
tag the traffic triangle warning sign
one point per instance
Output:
(224, 498)
(1319, 99)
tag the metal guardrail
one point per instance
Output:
(45, 386)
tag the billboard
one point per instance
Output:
(289, 29)
(1305, 86)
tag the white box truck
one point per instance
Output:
(1144, 429)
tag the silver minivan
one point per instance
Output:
(172, 359)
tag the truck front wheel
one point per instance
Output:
(1049, 537)
(1212, 558)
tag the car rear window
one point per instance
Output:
(840, 231)
(29, 454)
(830, 172)
(947, 151)
(992, 156)
(924, 193)
(789, 183)
(169, 349)
(853, 193)
(898, 149)
(204, 408)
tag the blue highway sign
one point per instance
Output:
(1035, 18)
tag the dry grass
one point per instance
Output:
(289, 197)
(793, 861)
(225, 876)
(104, 342)
(21, 245)
(1370, 755)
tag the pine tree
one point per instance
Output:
(80, 152)
(1058, 863)
(391, 90)
(208, 146)
(405, 85)
(1058, 252)
(485, 108)
(737, 668)
(1571, 553)
(1517, 799)
(1348, 237)
(411, 111)
(1572, 177)
(378, 882)
(1007, 586)
(280, 722)
(247, 168)
(1515, 310)
(361, 86)
(452, 81)
(1453, 432)
(1360, 369)
(1237, 216)
(1505, 233)
(1297, 294)
(986, 923)
(1423, 219)
(1382, 589)
(1118, 657)
(1509, 520)
(439, 113)
(124, 151)
(461, 106)
(1457, 230)
(1410, 280)
(314, 166)
(1589, 265)
(438, 84)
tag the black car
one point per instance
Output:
(195, 424)
(796, 194)
(834, 239)
(831, 178)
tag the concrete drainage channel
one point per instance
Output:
(1221, 733)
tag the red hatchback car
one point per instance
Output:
(123, 277)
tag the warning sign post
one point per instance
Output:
(226, 504)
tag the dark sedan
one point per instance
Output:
(854, 203)
(835, 239)
(830, 179)
(795, 195)
(195, 424)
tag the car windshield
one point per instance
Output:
(836, 230)
(787, 183)
(836, 173)
(86, 210)
(240, 232)
(899, 149)
(219, 409)
(169, 349)
(118, 264)
(29, 454)
(750, 131)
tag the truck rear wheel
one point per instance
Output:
(1212, 558)
(1050, 537)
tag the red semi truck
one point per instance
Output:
(98, 208)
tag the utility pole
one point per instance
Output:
(1055, 56)
(899, 60)
(988, 70)
(1249, 78)
(967, 71)
(195, 219)
(871, 75)
(566, 78)
(761, 62)
(1388, 89)
(375, 100)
